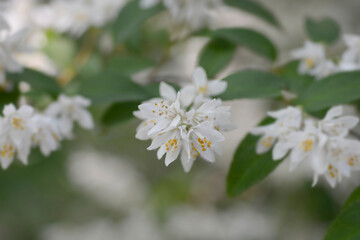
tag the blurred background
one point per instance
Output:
(105, 185)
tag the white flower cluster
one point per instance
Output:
(314, 61)
(76, 16)
(10, 45)
(188, 123)
(325, 143)
(192, 15)
(24, 128)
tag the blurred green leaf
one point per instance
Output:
(119, 113)
(216, 55)
(250, 39)
(131, 18)
(255, 8)
(248, 167)
(347, 225)
(38, 81)
(7, 97)
(60, 49)
(324, 30)
(252, 84)
(295, 82)
(336, 89)
(111, 86)
(129, 65)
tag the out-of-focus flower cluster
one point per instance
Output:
(187, 15)
(188, 123)
(76, 16)
(325, 143)
(313, 60)
(10, 45)
(24, 128)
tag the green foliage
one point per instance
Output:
(347, 225)
(248, 167)
(130, 20)
(8, 97)
(129, 65)
(336, 89)
(111, 86)
(38, 81)
(252, 84)
(324, 30)
(216, 55)
(250, 39)
(255, 8)
(295, 82)
(119, 113)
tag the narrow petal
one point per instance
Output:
(216, 87)
(334, 112)
(199, 77)
(167, 92)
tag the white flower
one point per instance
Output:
(47, 135)
(287, 121)
(69, 110)
(201, 140)
(336, 126)
(201, 87)
(312, 57)
(160, 113)
(145, 4)
(325, 69)
(350, 59)
(16, 129)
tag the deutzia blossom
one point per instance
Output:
(16, 131)
(287, 121)
(313, 60)
(183, 130)
(69, 110)
(201, 87)
(324, 143)
(48, 135)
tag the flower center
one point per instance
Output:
(18, 123)
(307, 145)
(7, 151)
(267, 142)
(203, 89)
(310, 63)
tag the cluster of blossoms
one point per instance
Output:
(325, 143)
(188, 123)
(24, 128)
(314, 61)
(187, 15)
(10, 45)
(76, 16)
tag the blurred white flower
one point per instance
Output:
(47, 135)
(77, 16)
(108, 179)
(313, 60)
(287, 121)
(350, 59)
(201, 88)
(323, 143)
(16, 130)
(145, 4)
(69, 110)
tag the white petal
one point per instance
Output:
(216, 87)
(172, 155)
(85, 119)
(334, 112)
(186, 162)
(167, 92)
(9, 109)
(160, 153)
(264, 144)
(187, 95)
(281, 148)
(199, 77)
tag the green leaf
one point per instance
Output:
(216, 55)
(129, 65)
(248, 167)
(336, 89)
(8, 97)
(38, 81)
(347, 225)
(249, 38)
(119, 113)
(131, 18)
(255, 8)
(324, 30)
(252, 84)
(295, 82)
(111, 86)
